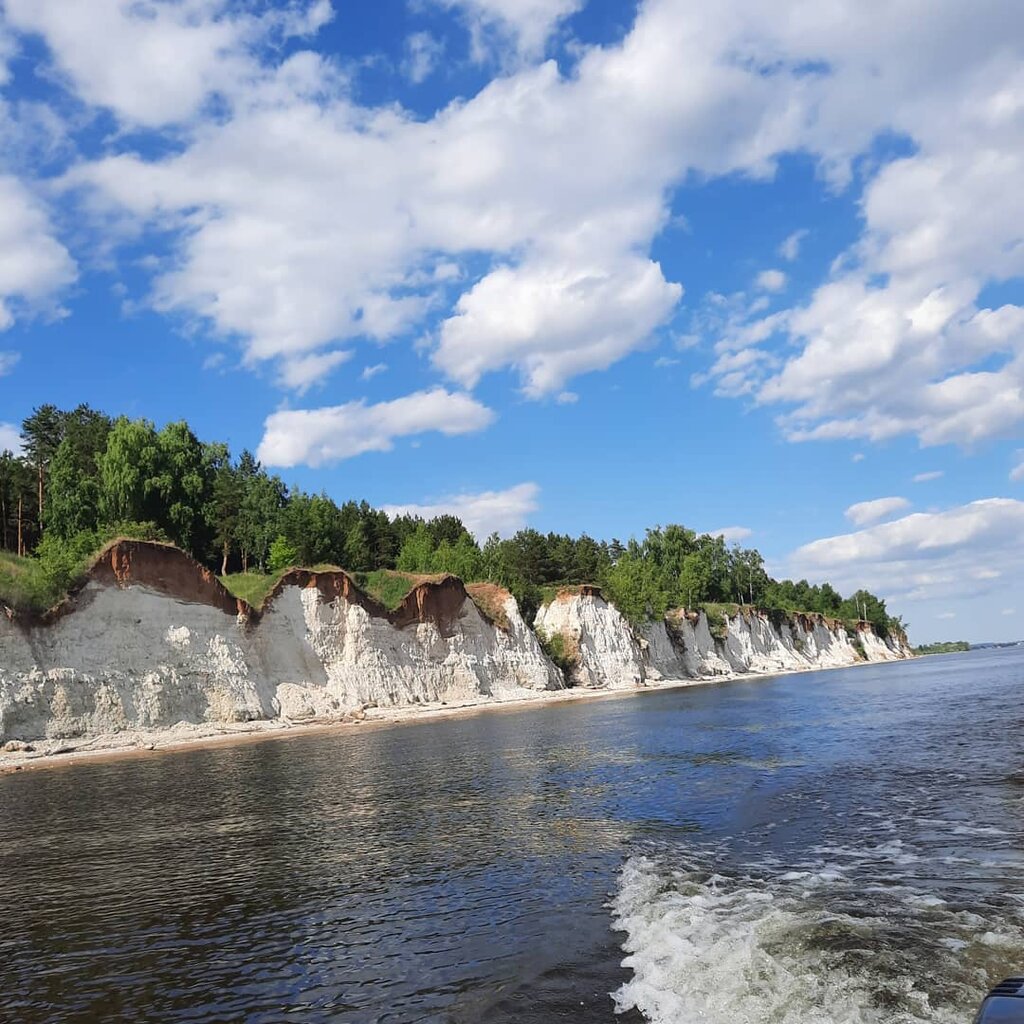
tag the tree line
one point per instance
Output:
(84, 477)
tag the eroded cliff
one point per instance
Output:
(608, 653)
(152, 639)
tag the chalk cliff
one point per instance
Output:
(682, 645)
(152, 639)
(598, 640)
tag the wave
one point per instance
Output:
(846, 938)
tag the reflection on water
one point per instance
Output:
(826, 834)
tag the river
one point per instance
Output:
(843, 847)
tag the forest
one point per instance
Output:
(83, 478)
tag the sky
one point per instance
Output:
(583, 265)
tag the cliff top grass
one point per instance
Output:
(390, 587)
(252, 587)
(24, 586)
(386, 586)
(550, 591)
(255, 587)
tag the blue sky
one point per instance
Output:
(588, 266)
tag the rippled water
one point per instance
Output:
(832, 847)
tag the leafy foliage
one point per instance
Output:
(84, 478)
(561, 652)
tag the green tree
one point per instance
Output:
(417, 554)
(694, 581)
(749, 578)
(462, 559)
(259, 519)
(589, 561)
(635, 585)
(358, 550)
(73, 487)
(18, 514)
(283, 555)
(446, 528)
(224, 508)
(42, 433)
(183, 484)
(127, 469)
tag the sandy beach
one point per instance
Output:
(62, 753)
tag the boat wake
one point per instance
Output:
(850, 937)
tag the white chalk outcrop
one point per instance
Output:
(682, 645)
(609, 653)
(358, 657)
(595, 637)
(152, 640)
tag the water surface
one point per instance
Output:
(841, 846)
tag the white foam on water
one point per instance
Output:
(801, 947)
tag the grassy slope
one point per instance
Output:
(255, 587)
(384, 585)
(389, 586)
(251, 587)
(23, 585)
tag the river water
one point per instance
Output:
(842, 847)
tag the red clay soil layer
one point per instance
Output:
(166, 569)
(438, 601)
(169, 571)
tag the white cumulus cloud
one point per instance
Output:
(300, 373)
(529, 23)
(961, 552)
(314, 437)
(790, 247)
(732, 534)
(864, 512)
(154, 62)
(34, 266)
(503, 512)
(10, 438)
(771, 280)
(423, 52)
(932, 474)
(553, 320)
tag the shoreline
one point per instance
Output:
(143, 743)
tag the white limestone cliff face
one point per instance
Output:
(682, 646)
(877, 649)
(131, 657)
(606, 652)
(610, 654)
(154, 641)
(360, 658)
